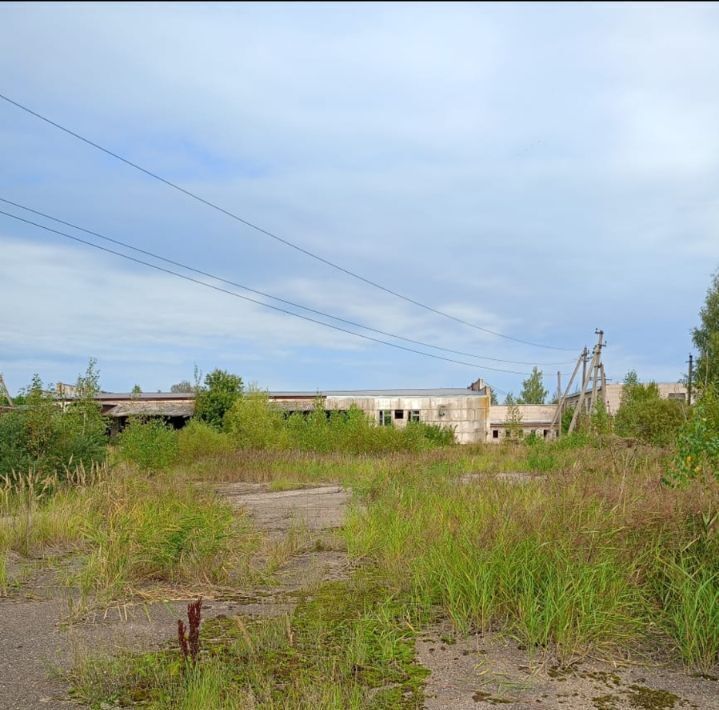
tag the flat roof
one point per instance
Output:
(306, 394)
(432, 392)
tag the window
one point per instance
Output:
(546, 433)
(385, 417)
(677, 395)
(414, 415)
(399, 413)
(442, 411)
(495, 433)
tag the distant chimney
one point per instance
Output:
(477, 385)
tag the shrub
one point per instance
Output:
(254, 422)
(47, 436)
(150, 444)
(698, 442)
(644, 415)
(199, 440)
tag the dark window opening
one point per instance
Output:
(414, 415)
(385, 417)
(546, 433)
(399, 413)
(495, 433)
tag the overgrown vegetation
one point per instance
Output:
(644, 415)
(131, 530)
(47, 436)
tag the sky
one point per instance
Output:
(538, 170)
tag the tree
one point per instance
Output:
(644, 415)
(706, 337)
(513, 419)
(182, 386)
(493, 398)
(533, 391)
(136, 391)
(509, 400)
(220, 391)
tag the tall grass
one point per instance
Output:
(567, 564)
(130, 528)
(141, 530)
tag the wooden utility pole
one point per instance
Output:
(594, 370)
(4, 394)
(689, 379)
(557, 420)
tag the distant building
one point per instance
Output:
(613, 396)
(530, 419)
(465, 410)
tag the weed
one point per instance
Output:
(189, 637)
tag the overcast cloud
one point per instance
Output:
(540, 170)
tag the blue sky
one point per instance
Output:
(541, 170)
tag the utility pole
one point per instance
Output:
(558, 413)
(585, 356)
(594, 365)
(689, 379)
(4, 394)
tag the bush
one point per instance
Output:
(644, 415)
(200, 440)
(47, 436)
(698, 442)
(151, 444)
(254, 422)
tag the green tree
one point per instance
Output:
(706, 338)
(493, 397)
(136, 391)
(182, 386)
(513, 419)
(533, 391)
(644, 415)
(509, 400)
(220, 391)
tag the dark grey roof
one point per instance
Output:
(151, 409)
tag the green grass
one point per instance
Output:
(148, 530)
(691, 610)
(130, 529)
(349, 646)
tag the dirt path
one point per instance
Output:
(35, 642)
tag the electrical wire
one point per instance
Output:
(270, 234)
(267, 295)
(255, 301)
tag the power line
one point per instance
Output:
(268, 233)
(267, 295)
(255, 301)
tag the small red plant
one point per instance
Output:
(189, 639)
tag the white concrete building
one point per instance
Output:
(465, 410)
(525, 419)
